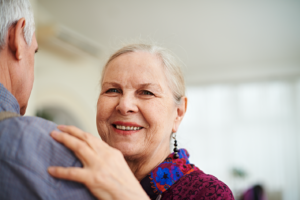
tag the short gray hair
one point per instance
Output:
(171, 66)
(10, 12)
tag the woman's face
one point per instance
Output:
(136, 112)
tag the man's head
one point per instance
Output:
(10, 12)
(17, 47)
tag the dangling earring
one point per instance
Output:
(175, 147)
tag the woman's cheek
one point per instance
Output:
(103, 113)
(103, 130)
(105, 107)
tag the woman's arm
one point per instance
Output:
(105, 171)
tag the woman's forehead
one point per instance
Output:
(140, 57)
(142, 67)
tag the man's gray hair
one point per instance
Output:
(10, 12)
(171, 66)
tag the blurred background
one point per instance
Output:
(241, 66)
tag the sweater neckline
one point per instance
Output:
(167, 173)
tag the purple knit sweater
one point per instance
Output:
(177, 179)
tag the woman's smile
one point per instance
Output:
(126, 128)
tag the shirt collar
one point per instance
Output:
(167, 173)
(7, 101)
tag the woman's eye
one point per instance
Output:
(145, 92)
(112, 90)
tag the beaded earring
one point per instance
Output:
(175, 147)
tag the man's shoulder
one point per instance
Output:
(27, 130)
(26, 151)
(26, 140)
(29, 122)
(22, 124)
(198, 184)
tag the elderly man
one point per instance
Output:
(26, 149)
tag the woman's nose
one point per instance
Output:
(127, 105)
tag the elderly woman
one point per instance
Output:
(140, 107)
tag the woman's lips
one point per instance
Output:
(126, 128)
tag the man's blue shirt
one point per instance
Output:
(26, 151)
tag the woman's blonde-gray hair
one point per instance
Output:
(171, 66)
(10, 12)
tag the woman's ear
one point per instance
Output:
(16, 40)
(181, 110)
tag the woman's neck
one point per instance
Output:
(140, 167)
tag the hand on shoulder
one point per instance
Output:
(105, 171)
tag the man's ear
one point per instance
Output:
(181, 110)
(16, 40)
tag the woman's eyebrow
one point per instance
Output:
(114, 84)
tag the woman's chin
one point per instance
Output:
(128, 149)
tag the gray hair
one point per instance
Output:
(171, 66)
(10, 12)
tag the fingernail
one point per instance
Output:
(51, 169)
(61, 127)
(55, 133)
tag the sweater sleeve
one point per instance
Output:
(198, 185)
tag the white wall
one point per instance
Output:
(69, 82)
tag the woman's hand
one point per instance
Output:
(105, 171)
